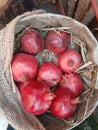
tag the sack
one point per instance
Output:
(10, 101)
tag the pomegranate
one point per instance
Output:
(36, 97)
(22, 85)
(57, 43)
(64, 104)
(70, 60)
(50, 73)
(24, 67)
(32, 41)
(73, 82)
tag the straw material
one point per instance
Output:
(10, 102)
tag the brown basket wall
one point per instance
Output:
(10, 103)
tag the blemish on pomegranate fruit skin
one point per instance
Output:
(70, 63)
(57, 43)
(70, 60)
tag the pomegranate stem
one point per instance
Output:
(75, 101)
(50, 96)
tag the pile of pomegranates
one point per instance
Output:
(48, 86)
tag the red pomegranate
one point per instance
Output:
(36, 97)
(57, 43)
(73, 82)
(64, 103)
(50, 73)
(70, 60)
(32, 41)
(22, 85)
(24, 67)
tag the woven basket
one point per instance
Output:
(10, 102)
